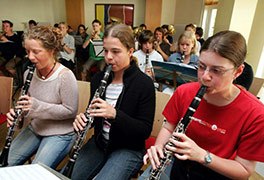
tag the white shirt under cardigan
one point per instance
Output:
(55, 102)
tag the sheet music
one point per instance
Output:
(26, 172)
(98, 47)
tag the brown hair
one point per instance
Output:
(124, 34)
(50, 37)
(228, 44)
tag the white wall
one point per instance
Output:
(20, 12)
(89, 10)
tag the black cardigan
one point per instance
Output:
(135, 109)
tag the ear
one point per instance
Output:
(239, 71)
(130, 52)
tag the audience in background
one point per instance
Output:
(160, 45)
(32, 23)
(67, 54)
(199, 35)
(11, 50)
(186, 50)
(246, 78)
(167, 34)
(147, 53)
(96, 34)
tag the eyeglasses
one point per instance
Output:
(217, 71)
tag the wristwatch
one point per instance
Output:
(207, 158)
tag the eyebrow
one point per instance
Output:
(220, 67)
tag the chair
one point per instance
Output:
(161, 101)
(257, 84)
(84, 96)
(6, 84)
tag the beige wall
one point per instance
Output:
(89, 10)
(20, 12)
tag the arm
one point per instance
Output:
(154, 153)
(238, 168)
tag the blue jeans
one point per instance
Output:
(50, 150)
(164, 175)
(121, 164)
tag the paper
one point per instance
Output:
(26, 172)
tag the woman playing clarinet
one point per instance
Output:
(123, 117)
(50, 106)
(224, 139)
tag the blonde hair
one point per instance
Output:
(187, 35)
(50, 37)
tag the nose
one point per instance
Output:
(206, 75)
(30, 55)
(108, 56)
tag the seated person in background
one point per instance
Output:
(66, 55)
(11, 50)
(147, 53)
(160, 45)
(143, 27)
(246, 78)
(186, 50)
(192, 28)
(32, 23)
(123, 116)
(49, 107)
(93, 59)
(199, 35)
(225, 137)
(167, 35)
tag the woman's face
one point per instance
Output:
(38, 54)
(186, 46)
(216, 72)
(117, 54)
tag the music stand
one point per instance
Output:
(98, 48)
(177, 73)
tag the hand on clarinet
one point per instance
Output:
(97, 108)
(100, 108)
(24, 102)
(186, 148)
(154, 153)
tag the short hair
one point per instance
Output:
(199, 31)
(146, 36)
(32, 22)
(159, 29)
(9, 22)
(143, 26)
(97, 21)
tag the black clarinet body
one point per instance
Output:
(67, 171)
(180, 128)
(17, 117)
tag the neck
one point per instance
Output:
(223, 98)
(46, 72)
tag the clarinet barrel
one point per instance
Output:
(17, 118)
(67, 171)
(180, 128)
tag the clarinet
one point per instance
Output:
(182, 56)
(148, 68)
(180, 128)
(17, 117)
(67, 171)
